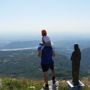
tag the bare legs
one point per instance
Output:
(53, 76)
(46, 76)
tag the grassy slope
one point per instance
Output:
(25, 84)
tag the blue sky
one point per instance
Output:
(28, 17)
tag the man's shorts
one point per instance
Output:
(45, 67)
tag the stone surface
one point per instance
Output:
(72, 87)
(0, 84)
(51, 86)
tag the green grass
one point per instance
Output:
(27, 84)
(20, 84)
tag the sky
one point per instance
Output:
(26, 18)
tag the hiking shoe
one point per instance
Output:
(53, 79)
(46, 87)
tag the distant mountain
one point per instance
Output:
(26, 63)
(85, 62)
(65, 47)
(22, 61)
(3, 44)
(20, 44)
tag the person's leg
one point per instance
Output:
(53, 76)
(46, 78)
(45, 74)
(53, 72)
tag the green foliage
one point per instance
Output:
(20, 84)
(27, 84)
(26, 63)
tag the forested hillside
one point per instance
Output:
(86, 60)
(26, 63)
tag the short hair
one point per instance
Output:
(44, 32)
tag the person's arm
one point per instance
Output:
(40, 53)
(40, 50)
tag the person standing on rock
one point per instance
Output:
(45, 51)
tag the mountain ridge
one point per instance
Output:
(22, 62)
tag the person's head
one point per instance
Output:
(44, 32)
(76, 47)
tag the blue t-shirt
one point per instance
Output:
(46, 55)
